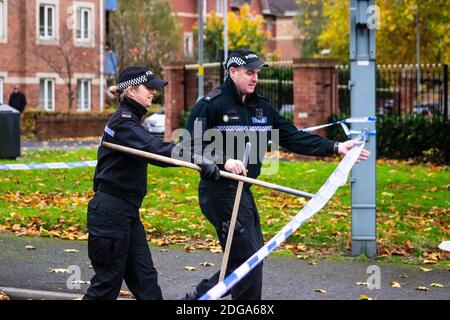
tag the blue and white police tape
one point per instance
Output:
(48, 166)
(338, 178)
(342, 123)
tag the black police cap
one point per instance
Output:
(137, 75)
(244, 58)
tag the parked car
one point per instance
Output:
(156, 123)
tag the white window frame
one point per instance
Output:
(219, 7)
(81, 95)
(3, 21)
(189, 51)
(46, 106)
(79, 39)
(1, 90)
(46, 39)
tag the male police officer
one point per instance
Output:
(235, 108)
(117, 243)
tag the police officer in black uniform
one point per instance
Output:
(117, 245)
(235, 108)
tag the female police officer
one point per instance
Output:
(117, 244)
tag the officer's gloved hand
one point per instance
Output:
(209, 171)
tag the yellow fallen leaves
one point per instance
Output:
(425, 269)
(30, 248)
(437, 285)
(189, 268)
(364, 297)
(422, 288)
(395, 284)
(4, 296)
(71, 250)
(206, 264)
(320, 290)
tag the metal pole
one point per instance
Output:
(225, 30)
(102, 56)
(418, 56)
(224, 174)
(201, 69)
(362, 101)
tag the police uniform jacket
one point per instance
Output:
(223, 110)
(122, 174)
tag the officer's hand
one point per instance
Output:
(235, 166)
(209, 171)
(345, 147)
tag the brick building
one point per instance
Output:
(278, 19)
(43, 43)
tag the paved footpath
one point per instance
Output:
(285, 278)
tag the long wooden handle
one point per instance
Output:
(190, 165)
(237, 201)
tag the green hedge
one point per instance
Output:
(417, 137)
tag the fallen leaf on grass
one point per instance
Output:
(395, 284)
(60, 270)
(364, 297)
(421, 288)
(302, 257)
(216, 250)
(189, 268)
(71, 250)
(425, 269)
(426, 261)
(30, 248)
(437, 285)
(206, 264)
(320, 291)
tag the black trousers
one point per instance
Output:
(216, 201)
(118, 251)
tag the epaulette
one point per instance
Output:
(213, 94)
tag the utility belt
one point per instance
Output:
(129, 196)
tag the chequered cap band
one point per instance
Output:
(135, 82)
(240, 62)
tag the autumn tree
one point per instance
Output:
(245, 30)
(310, 21)
(396, 38)
(145, 32)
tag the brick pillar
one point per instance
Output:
(315, 90)
(173, 97)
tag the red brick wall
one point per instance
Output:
(22, 65)
(173, 97)
(315, 85)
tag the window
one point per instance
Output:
(47, 94)
(219, 7)
(1, 90)
(3, 19)
(84, 24)
(83, 95)
(188, 44)
(47, 21)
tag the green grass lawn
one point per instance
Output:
(412, 204)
